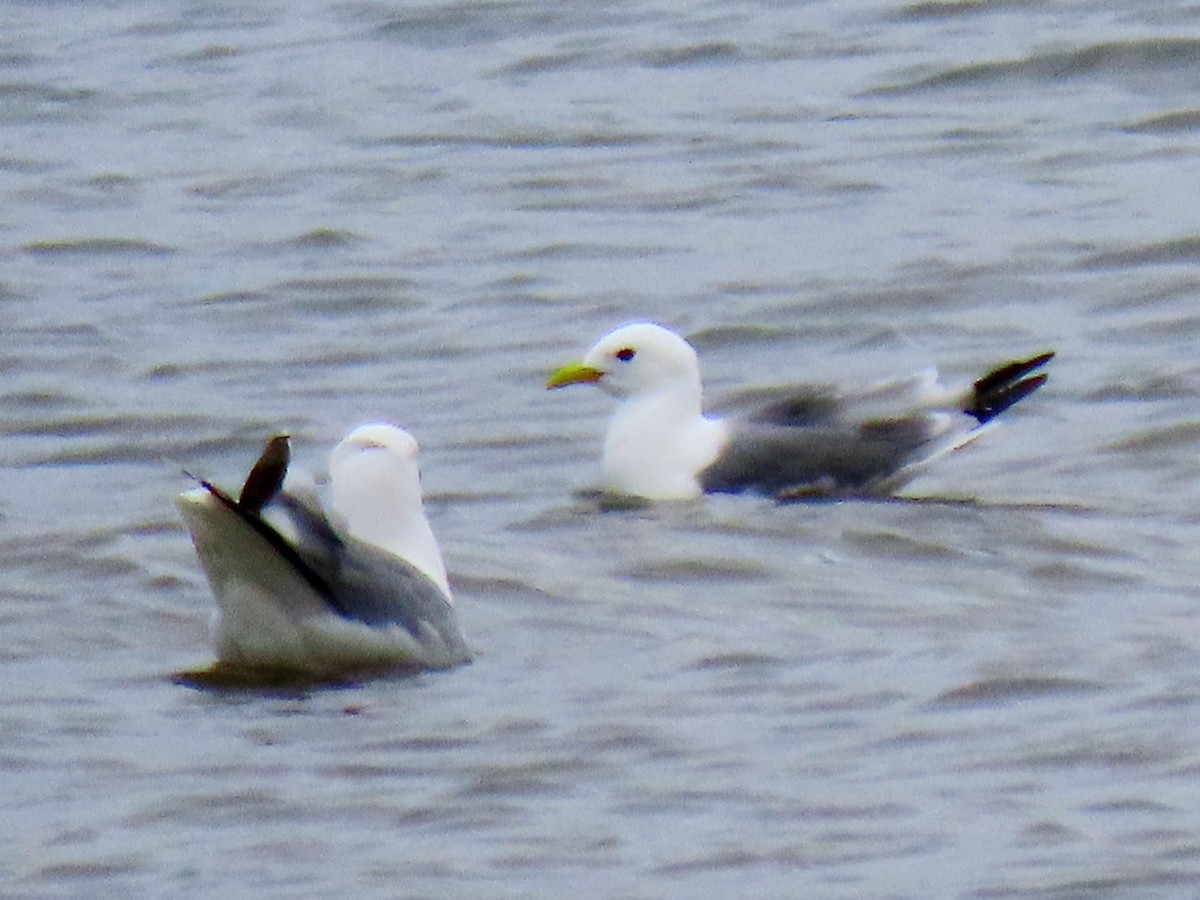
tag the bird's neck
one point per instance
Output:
(411, 538)
(386, 517)
(658, 443)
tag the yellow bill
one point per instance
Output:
(574, 373)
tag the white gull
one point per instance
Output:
(297, 589)
(795, 442)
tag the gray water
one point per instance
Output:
(224, 220)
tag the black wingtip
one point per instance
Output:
(266, 477)
(1011, 372)
(262, 484)
(225, 499)
(1005, 386)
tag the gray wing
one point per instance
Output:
(826, 405)
(796, 406)
(826, 460)
(377, 588)
(805, 440)
(362, 582)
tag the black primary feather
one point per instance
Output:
(266, 477)
(1002, 387)
(274, 538)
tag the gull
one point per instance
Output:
(794, 442)
(303, 590)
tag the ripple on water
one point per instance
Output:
(992, 691)
(1117, 60)
(98, 247)
(1179, 251)
(1184, 121)
(708, 570)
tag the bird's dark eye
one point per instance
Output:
(625, 354)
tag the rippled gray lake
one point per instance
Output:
(224, 220)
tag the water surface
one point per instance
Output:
(223, 222)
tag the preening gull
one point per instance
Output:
(794, 442)
(298, 589)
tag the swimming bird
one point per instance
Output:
(793, 442)
(299, 589)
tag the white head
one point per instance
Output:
(375, 489)
(637, 360)
(658, 440)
